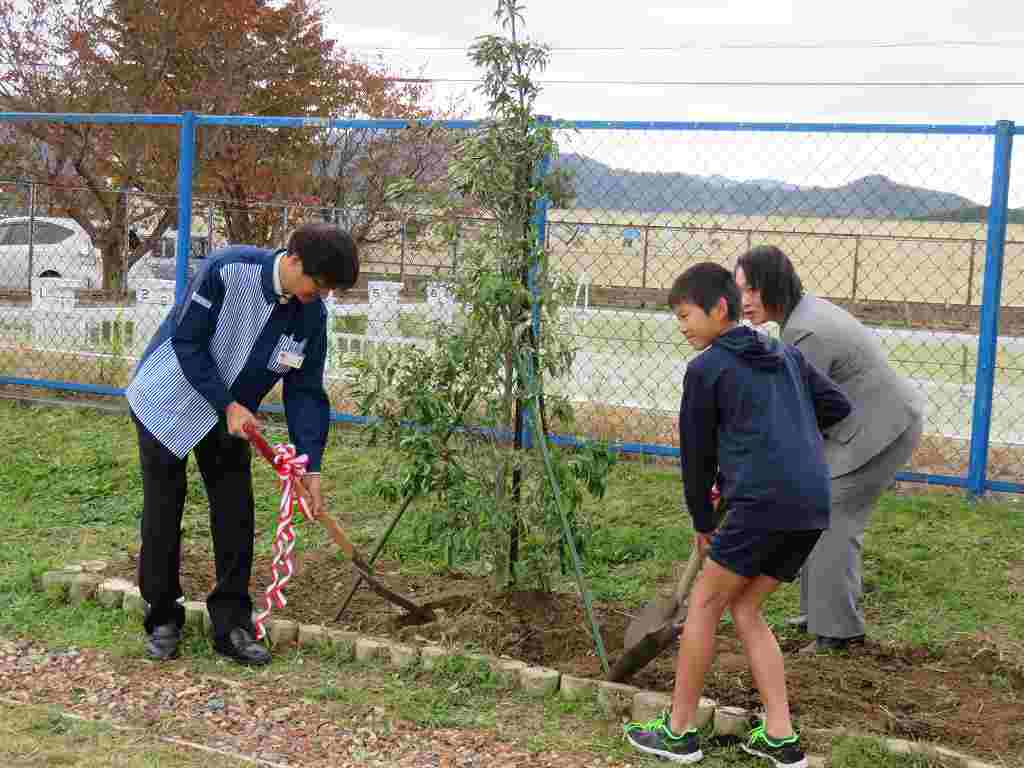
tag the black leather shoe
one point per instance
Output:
(162, 642)
(240, 645)
(824, 644)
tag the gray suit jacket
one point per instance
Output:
(884, 402)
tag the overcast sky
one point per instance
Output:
(842, 34)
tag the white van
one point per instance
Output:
(47, 247)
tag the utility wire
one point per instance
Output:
(699, 46)
(745, 83)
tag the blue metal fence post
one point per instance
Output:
(186, 164)
(540, 225)
(981, 425)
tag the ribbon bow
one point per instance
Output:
(289, 467)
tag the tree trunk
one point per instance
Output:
(517, 484)
(113, 267)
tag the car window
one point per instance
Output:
(50, 234)
(14, 234)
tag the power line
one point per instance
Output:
(738, 45)
(744, 83)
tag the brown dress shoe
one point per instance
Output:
(822, 644)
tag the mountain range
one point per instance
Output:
(596, 185)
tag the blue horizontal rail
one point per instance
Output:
(337, 416)
(1003, 486)
(85, 117)
(66, 386)
(654, 125)
(263, 121)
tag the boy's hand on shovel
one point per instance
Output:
(703, 541)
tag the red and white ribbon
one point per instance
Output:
(289, 467)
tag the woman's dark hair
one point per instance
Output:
(704, 285)
(768, 270)
(328, 254)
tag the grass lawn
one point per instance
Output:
(939, 570)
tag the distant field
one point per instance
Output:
(857, 260)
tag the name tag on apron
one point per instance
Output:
(289, 359)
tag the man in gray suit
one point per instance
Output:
(864, 451)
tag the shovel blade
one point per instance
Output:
(655, 615)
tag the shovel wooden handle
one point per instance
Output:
(336, 532)
(696, 559)
(689, 574)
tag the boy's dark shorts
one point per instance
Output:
(751, 552)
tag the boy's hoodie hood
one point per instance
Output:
(759, 349)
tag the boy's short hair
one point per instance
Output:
(328, 254)
(703, 285)
(768, 270)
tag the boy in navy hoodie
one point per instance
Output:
(752, 414)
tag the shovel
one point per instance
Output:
(661, 620)
(341, 539)
(657, 624)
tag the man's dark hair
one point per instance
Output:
(703, 285)
(768, 270)
(328, 254)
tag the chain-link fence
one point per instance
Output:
(863, 216)
(890, 222)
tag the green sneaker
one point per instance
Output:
(784, 753)
(655, 737)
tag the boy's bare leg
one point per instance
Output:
(763, 654)
(715, 589)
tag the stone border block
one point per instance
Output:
(616, 699)
(539, 681)
(577, 688)
(110, 592)
(57, 584)
(403, 655)
(371, 649)
(508, 671)
(705, 711)
(282, 631)
(312, 635)
(733, 721)
(343, 643)
(83, 587)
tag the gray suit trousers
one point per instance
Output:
(831, 583)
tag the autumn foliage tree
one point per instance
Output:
(215, 57)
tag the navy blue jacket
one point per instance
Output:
(222, 342)
(751, 416)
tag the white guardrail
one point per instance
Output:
(56, 323)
